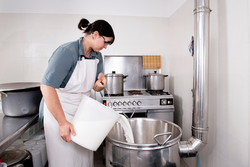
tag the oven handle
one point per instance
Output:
(161, 110)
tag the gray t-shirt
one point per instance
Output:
(63, 62)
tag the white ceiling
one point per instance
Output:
(149, 8)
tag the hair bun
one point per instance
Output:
(83, 24)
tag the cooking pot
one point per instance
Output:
(16, 158)
(156, 144)
(114, 83)
(20, 99)
(155, 81)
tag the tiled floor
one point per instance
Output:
(99, 159)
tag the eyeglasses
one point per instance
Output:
(105, 41)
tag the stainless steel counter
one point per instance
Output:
(12, 128)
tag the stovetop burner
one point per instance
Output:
(113, 95)
(157, 92)
(134, 92)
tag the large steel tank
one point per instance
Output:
(156, 144)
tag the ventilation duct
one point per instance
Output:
(198, 140)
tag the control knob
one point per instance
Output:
(115, 104)
(119, 103)
(134, 103)
(110, 104)
(129, 103)
(124, 103)
(139, 103)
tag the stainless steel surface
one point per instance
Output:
(145, 152)
(18, 86)
(200, 82)
(114, 83)
(12, 128)
(155, 81)
(23, 102)
(145, 103)
(130, 65)
(99, 159)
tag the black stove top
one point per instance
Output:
(139, 93)
(157, 92)
(113, 95)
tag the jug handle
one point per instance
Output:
(161, 134)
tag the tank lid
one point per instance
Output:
(18, 86)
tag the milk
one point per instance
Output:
(128, 133)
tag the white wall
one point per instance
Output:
(149, 8)
(28, 40)
(229, 80)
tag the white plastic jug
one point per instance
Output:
(92, 123)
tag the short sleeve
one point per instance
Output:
(60, 67)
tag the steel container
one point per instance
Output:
(114, 83)
(20, 99)
(155, 81)
(156, 144)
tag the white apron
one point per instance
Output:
(61, 153)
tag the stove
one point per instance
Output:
(136, 101)
(142, 103)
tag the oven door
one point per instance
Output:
(164, 114)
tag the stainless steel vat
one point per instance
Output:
(20, 99)
(149, 148)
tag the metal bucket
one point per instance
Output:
(156, 144)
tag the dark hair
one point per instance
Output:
(102, 26)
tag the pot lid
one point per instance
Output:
(11, 157)
(155, 74)
(18, 86)
(113, 74)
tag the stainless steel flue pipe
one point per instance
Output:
(198, 140)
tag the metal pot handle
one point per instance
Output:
(127, 116)
(161, 134)
(4, 94)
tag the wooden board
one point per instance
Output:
(151, 61)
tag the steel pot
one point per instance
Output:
(155, 81)
(114, 83)
(20, 99)
(156, 144)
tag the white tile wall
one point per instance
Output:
(28, 40)
(229, 80)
